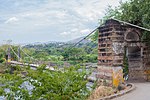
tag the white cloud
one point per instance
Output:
(74, 30)
(11, 20)
(85, 31)
(55, 19)
(64, 33)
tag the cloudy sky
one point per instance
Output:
(28, 21)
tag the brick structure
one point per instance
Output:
(114, 39)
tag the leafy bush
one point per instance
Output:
(2, 60)
(68, 83)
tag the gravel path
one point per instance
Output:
(142, 92)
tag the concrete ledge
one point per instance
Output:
(120, 93)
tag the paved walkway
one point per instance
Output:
(142, 92)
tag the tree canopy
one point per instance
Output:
(132, 11)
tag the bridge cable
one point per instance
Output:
(115, 20)
(85, 36)
(14, 52)
(31, 58)
(26, 53)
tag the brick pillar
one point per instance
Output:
(110, 49)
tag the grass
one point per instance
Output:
(100, 92)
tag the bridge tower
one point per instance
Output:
(116, 41)
(19, 54)
(8, 55)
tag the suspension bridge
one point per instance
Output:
(33, 63)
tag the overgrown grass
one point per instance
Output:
(100, 92)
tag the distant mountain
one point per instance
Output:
(45, 43)
(56, 42)
(53, 42)
(78, 39)
(38, 45)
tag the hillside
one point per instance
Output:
(55, 44)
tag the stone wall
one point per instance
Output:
(104, 73)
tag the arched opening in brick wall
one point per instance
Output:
(134, 53)
(133, 50)
(132, 36)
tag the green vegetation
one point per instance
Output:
(2, 53)
(68, 83)
(125, 63)
(54, 53)
(133, 11)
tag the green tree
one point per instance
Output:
(133, 11)
(74, 54)
(94, 37)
